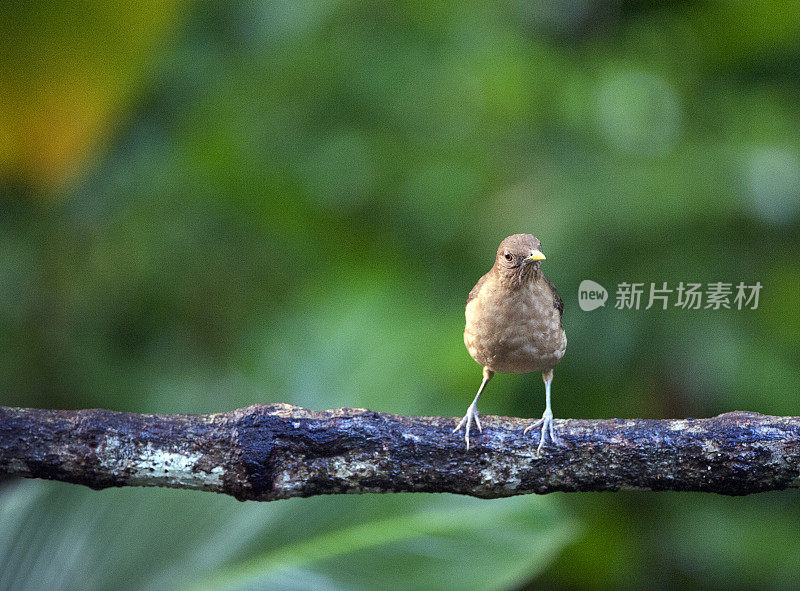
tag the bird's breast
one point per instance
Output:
(515, 331)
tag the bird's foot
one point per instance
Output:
(466, 422)
(546, 423)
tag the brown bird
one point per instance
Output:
(514, 324)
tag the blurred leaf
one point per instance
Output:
(60, 536)
(450, 543)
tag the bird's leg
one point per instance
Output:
(546, 421)
(472, 411)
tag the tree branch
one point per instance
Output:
(276, 451)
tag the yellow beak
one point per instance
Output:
(536, 255)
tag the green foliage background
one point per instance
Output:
(209, 205)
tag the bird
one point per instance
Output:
(513, 325)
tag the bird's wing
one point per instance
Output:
(557, 301)
(474, 292)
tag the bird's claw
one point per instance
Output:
(546, 423)
(466, 422)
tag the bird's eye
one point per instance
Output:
(508, 256)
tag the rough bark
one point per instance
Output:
(276, 451)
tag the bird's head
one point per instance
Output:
(519, 253)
